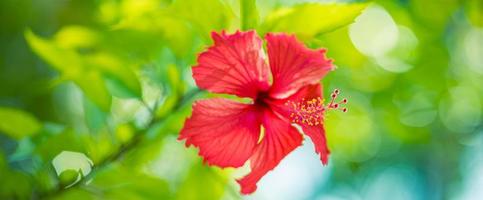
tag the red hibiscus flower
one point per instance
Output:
(286, 90)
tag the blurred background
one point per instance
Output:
(93, 94)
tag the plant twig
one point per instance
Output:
(123, 149)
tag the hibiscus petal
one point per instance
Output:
(293, 65)
(317, 132)
(280, 139)
(226, 132)
(317, 135)
(235, 64)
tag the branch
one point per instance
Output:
(123, 149)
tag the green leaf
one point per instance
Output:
(95, 89)
(114, 51)
(100, 145)
(117, 182)
(68, 177)
(202, 183)
(249, 14)
(121, 183)
(169, 102)
(66, 62)
(52, 145)
(17, 123)
(207, 16)
(118, 89)
(15, 185)
(72, 67)
(75, 194)
(309, 20)
(177, 35)
(474, 12)
(94, 116)
(114, 70)
(156, 29)
(71, 37)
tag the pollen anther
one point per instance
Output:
(311, 112)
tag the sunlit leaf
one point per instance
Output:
(100, 145)
(160, 28)
(124, 132)
(134, 46)
(178, 35)
(249, 14)
(121, 43)
(117, 73)
(72, 67)
(71, 37)
(66, 62)
(168, 104)
(309, 20)
(94, 88)
(207, 16)
(17, 123)
(474, 11)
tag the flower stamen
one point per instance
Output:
(311, 112)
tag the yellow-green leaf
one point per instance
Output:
(249, 14)
(474, 12)
(95, 89)
(309, 20)
(66, 62)
(72, 67)
(207, 15)
(17, 123)
(114, 70)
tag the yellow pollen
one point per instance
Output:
(311, 112)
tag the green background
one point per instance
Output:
(93, 94)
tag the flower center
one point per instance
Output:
(261, 99)
(311, 112)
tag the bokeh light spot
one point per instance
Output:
(374, 33)
(474, 50)
(69, 160)
(460, 109)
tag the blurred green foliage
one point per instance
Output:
(111, 80)
(17, 123)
